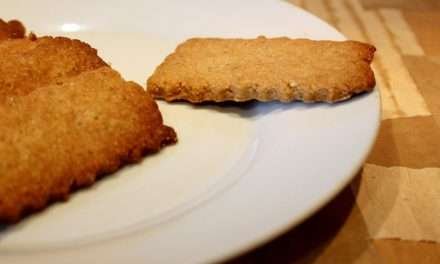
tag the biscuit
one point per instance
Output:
(11, 29)
(63, 136)
(26, 64)
(213, 69)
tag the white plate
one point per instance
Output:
(239, 175)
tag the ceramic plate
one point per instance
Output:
(240, 174)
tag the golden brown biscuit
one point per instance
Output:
(26, 64)
(64, 136)
(212, 69)
(11, 29)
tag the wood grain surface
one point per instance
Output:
(391, 211)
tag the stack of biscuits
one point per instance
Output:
(67, 119)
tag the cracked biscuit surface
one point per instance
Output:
(63, 136)
(265, 69)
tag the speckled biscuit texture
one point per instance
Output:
(64, 136)
(27, 64)
(265, 69)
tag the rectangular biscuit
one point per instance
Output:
(214, 69)
(65, 135)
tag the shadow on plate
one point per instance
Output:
(326, 237)
(5, 229)
(256, 109)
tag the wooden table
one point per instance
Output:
(391, 211)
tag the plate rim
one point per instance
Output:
(325, 199)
